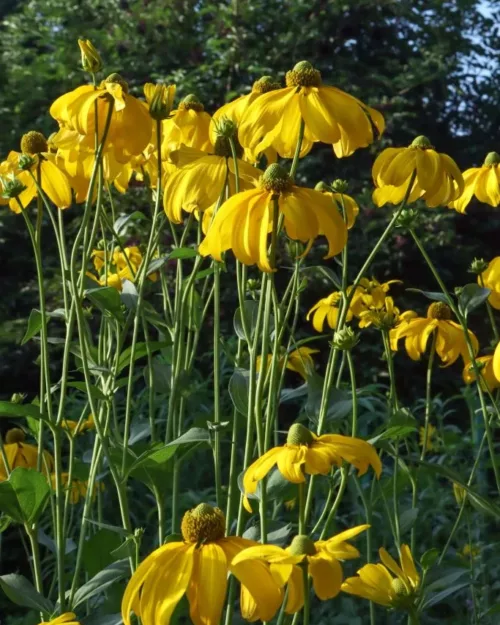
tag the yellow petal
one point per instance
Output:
(207, 590)
(260, 468)
(55, 184)
(326, 574)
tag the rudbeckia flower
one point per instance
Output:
(438, 179)
(483, 182)
(341, 200)
(125, 264)
(68, 618)
(198, 567)
(329, 114)
(450, 340)
(21, 454)
(487, 377)
(328, 309)
(188, 125)
(35, 157)
(299, 361)
(243, 222)
(197, 185)
(369, 295)
(496, 362)
(490, 278)
(77, 489)
(387, 584)
(322, 558)
(386, 317)
(130, 128)
(78, 427)
(431, 440)
(304, 452)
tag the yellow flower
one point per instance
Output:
(68, 618)
(487, 378)
(77, 489)
(126, 264)
(91, 59)
(197, 185)
(35, 157)
(490, 278)
(188, 125)
(450, 339)
(304, 452)
(78, 427)
(483, 182)
(160, 99)
(321, 557)
(21, 454)
(432, 438)
(376, 583)
(438, 179)
(299, 361)
(330, 116)
(243, 222)
(496, 362)
(341, 199)
(328, 309)
(369, 295)
(130, 128)
(198, 567)
(385, 317)
(469, 550)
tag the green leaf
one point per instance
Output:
(182, 253)
(10, 409)
(429, 558)
(326, 272)
(436, 296)
(112, 528)
(107, 299)
(407, 520)
(129, 295)
(100, 582)
(94, 391)
(478, 501)
(141, 350)
(440, 596)
(21, 592)
(249, 312)
(471, 296)
(34, 326)
(97, 550)
(238, 390)
(24, 495)
(121, 224)
(161, 374)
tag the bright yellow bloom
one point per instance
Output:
(243, 222)
(78, 427)
(304, 452)
(328, 308)
(91, 59)
(432, 443)
(198, 184)
(490, 278)
(130, 129)
(68, 618)
(350, 206)
(385, 317)
(188, 125)
(330, 116)
(125, 264)
(36, 160)
(198, 567)
(438, 179)
(160, 99)
(450, 339)
(388, 583)
(483, 182)
(322, 558)
(487, 377)
(299, 361)
(369, 295)
(21, 454)
(496, 362)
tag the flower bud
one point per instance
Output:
(478, 265)
(91, 60)
(408, 219)
(161, 99)
(12, 186)
(340, 186)
(18, 398)
(345, 339)
(460, 493)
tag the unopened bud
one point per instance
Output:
(340, 186)
(345, 339)
(460, 493)
(18, 398)
(161, 99)
(91, 59)
(478, 265)
(11, 186)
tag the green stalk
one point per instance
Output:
(307, 595)
(340, 493)
(217, 385)
(298, 147)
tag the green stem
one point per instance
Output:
(217, 385)
(302, 507)
(307, 595)
(336, 503)
(298, 147)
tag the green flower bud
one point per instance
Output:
(12, 186)
(91, 60)
(478, 265)
(345, 339)
(340, 186)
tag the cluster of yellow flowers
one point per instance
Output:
(209, 166)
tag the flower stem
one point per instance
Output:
(307, 595)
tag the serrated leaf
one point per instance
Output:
(21, 592)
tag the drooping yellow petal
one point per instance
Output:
(207, 589)
(55, 184)
(326, 573)
(260, 468)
